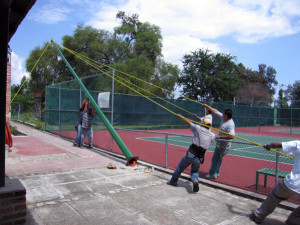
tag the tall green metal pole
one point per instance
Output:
(131, 160)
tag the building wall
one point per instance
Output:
(8, 89)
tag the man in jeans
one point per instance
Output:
(227, 130)
(79, 123)
(195, 155)
(86, 129)
(284, 189)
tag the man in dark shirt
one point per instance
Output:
(79, 123)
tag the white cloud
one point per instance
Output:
(193, 24)
(17, 69)
(51, 14)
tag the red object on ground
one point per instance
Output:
(8, 138)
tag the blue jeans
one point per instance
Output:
(187, 159)
(89, 133)
(216, 161)
(78, 136)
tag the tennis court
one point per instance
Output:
(239, 147)
(166, 147)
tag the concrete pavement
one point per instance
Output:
(69, 185)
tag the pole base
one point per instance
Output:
(132, 161)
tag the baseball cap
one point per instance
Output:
(207, 121)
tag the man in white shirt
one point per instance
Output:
(227, 132)
(208, 115)
(284, 189)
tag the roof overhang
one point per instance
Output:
(18, 11)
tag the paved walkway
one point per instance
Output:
(69, 185)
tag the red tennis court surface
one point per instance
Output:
(236, 171)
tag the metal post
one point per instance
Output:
(45, 109)
(131, 160)
(277, 168)
(59, 102)
(259, 119)
(166, 151)
(291, 121)
(112, 108)
(19, 111)
(80, 97)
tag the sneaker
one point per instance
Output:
(195, 186)
(210, 176)
(74, 144)
(81, 146)
(90, 146)
(171, 183)
(255, 219)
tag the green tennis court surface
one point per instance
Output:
(242, 148)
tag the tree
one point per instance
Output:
(47, 71)
(24, 97)
(256, 86)
(269, 75)
(293, 94)
(133, 48)
(283, 101)
(208, 76)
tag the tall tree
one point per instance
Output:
(293, 94)
(269, 75)
(47, 71)
(207, 76)
(283, 100)
(134, 48)
(256, 86)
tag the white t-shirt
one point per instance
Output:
(209, 116)
(228, 127)
(292, 181)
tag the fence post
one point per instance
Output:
(277, 168)
(45, 109)
(166, 151)
(259, 119)
(19, 112)
(59, 108)
(291, 127)
(112, 108)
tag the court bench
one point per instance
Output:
(269, 172)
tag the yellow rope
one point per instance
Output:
(103, 71)
(87, 60)
(30, 71)
(76, 53)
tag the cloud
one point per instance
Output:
(51, 14)
(17, 69)
(193, 24)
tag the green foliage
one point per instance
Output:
(21, 96)
(134, 47)
(207, 76)
(283, 101)
(256, 86)
(293, 94)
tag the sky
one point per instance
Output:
(254, 31)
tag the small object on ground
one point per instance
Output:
(111, 166)
(147, 170)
